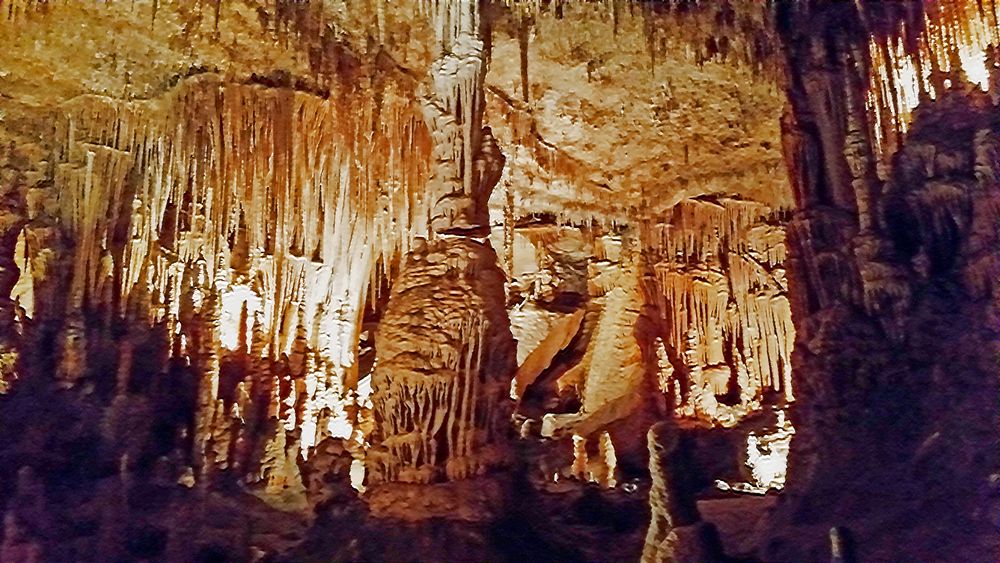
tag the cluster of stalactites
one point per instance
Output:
(452, 19)
(280, 208)
(953, 44)
(13, 11)
(719, 284)
(737, 32)
(700, 230)
(225, 172)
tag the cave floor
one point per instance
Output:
(738, 518)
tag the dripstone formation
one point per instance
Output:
(499, 280)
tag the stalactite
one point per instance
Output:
(508, 228)
(14, 11)
(911, 64)
(452, 19)
(719, 275)
(523, 41)
(220, 174)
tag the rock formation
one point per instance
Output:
(445, 355)
(295, 280)
(719, 288)
(892, 289)
(440, 395)
(676, 532)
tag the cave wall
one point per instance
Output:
(893, 296)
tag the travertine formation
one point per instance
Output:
(718, 285)
(445, 355)
(445, 359)
(246, 222)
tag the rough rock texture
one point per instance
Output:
(445, 361)
(600, 112)
(242, 260)
(894, 295)
(676, 532)
(445, 354)
(560, 333)
(234, 289)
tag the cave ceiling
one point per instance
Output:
(640, 115)
(607, 111)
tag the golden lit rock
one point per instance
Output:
(499, 280)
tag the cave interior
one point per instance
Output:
(500, 280)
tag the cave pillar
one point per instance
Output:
(445, 354)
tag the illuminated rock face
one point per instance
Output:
(723, 318)
(243, 224)
(445, 361)
(200, 254)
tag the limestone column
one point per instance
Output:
(445, 354)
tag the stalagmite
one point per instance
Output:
(676, 532)
(606, 473)
(613, 365)
(841, 548)
(439, 395)
(580, 459)
(445, 355)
